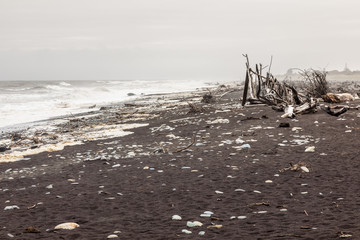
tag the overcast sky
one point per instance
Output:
(173, 39)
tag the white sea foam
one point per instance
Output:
(29, 101)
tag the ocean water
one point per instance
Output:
(29, 101)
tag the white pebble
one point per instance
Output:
(194, 224)
(241, 217)
(202, 233)
(268, 181)
(283, 210)
(186, 231)
(176, 217)
(112, 236)
(305, 169)
(239, 190)
(310, 149)
(11, 207)
(219, 192)
(256, 191)
(261, 212)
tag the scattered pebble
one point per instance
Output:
(202, 233)
(186, 231)
(112, 236)
(241, 217)
(268, 181)
(244, 146)
(219, 192)
(176, 217)
(310, 149)
(11, 207)
(305, 169)
(194, 224)
(239, 190)
(256, 191)
(261, 212)
(68, 226)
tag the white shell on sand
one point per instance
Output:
(305, 169)
(194, 224)
(186, 231)
(112, 236)
(68, 226)
(176, 217)
(219, 192)
(310, 149)
(11, 207)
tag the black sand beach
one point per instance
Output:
(234, 162)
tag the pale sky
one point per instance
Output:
(173, 39)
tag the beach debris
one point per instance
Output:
(201, 233)
(239, 141)
(194, 108)
(219, 192)
(176, 217)
(260, 89)
(259, 204)
(342, 234)
(188, 146)
(245, 146)
(336, 111)
(32, 230)
(208, 98)
(261, 212)
(284, 125)
(162, 127)
(310, 149)
(239, 190)
(31, 207)
(112, 236)
(300, 166)
(305, 169)
(11, 207)
(219, 120)
(206, 214)
(194, 224)
(4, 148)
(67, 226)
(337, 97)
(215, 226)
(186, 231)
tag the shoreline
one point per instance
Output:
(234, 170)
(90, 121)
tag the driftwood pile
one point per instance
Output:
(260, 89)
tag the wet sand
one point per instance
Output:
(234, 162)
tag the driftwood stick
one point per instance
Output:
(246, 86)
(184, 148)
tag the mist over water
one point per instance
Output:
(28, 101)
